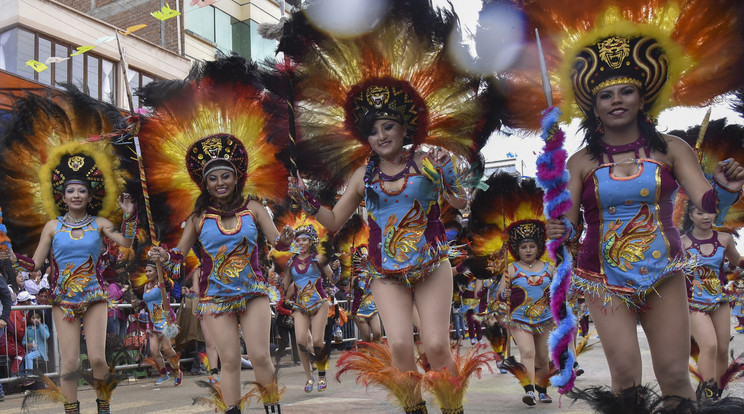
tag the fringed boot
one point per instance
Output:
(419, 408)
(269, 395)
(72, 407)
(637, 400)
(372, 362)
(105, 390)
(175, 363)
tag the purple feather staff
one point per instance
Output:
(552, 177)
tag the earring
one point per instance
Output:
(600, 128)
(649, 119)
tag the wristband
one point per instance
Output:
(718, 200)
(129, 225)
(572, 230)
(280, 245)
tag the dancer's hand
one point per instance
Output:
(126, 203)
(438, 156)
(157, 254)
(287, 235)
(555, 229)
(8, 254)
(730, 174)
(506, 293)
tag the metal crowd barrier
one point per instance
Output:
(52, 367)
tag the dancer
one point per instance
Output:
(303, 281)
(508, 215)
(379, 104)
(160, 345)
(364, 310)
(217, 120)
(79, 186)
(619, 68)
(710, 313)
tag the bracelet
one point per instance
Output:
(572, 230)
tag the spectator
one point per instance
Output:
(35, 282)
(5, 304)
(12, 339)
(35, 339)
(117, 320)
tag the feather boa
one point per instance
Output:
(553, 178)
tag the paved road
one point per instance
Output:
(493, 393)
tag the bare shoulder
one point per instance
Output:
(725, 238)
(582, 163)
(256, 208)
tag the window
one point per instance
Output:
(137, 80)
(91, 73)
(228, 33)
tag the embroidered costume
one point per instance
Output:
(706, 280)
(153, 299)
(530, 301)
(73, 281)
(364, 303)
(308, 279)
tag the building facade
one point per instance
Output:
(49, 31)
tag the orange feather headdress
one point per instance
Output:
(222, 99)
(696, 53)
(507, 212)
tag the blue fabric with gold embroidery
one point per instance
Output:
(74, 282)
(406, 237)
(367, 307)
(154, 300)
(530, 300)
(631, 244)
(705, 289)
(309, 294)
(230, 274)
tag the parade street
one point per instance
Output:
(494, 393)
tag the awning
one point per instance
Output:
(12, 84)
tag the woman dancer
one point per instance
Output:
(78, 187)
(219, 119)
(619, 71)
(385, 103)
(303, 281)
(160, 345)
(710, 312)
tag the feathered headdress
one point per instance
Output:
(400, 70)
(301, 222)
(51, 141)
(501, 217)
(216, 113)
(679, 53)
(350, 242)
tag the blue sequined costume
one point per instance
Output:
(406, 237)
(308, 280)
(230, 275)
(74, 281)
(530, 300)
(705, 281)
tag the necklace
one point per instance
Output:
(528, 265)
(76, 223)
(401, 174)
(617, 149)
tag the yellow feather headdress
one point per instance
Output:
(49, 140)
(400, 70)
(508, 205)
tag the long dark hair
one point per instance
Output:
(592, 137)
